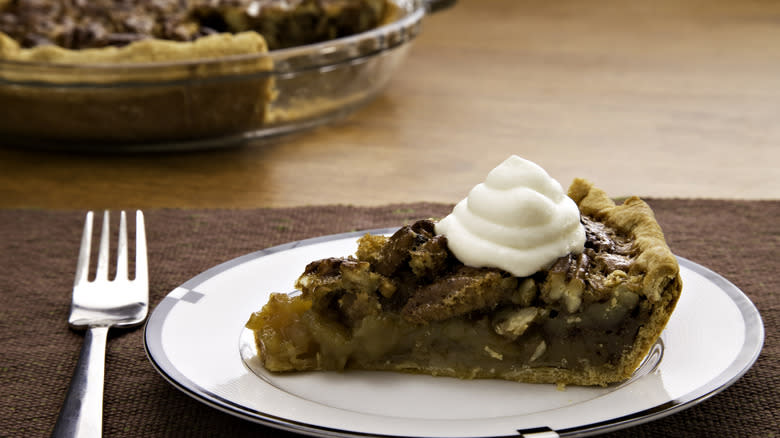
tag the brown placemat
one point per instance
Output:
(38, 249)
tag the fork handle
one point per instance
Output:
(82, 412)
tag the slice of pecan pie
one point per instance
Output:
(406, 303)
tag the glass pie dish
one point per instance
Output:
(203, 103)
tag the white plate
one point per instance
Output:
(196, 339)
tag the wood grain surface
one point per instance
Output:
(665, 99)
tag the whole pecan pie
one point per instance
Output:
(406, 303)
(156, 71)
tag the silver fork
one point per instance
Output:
(96, 306)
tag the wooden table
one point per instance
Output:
(666, 99)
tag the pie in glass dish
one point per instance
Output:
(585, 313)
(119, 72)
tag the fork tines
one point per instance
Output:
(82, 267)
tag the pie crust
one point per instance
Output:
(404, 303)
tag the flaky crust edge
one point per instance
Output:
(662, 284)
(144, 51)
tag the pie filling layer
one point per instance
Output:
(82, 24)
(405, 303)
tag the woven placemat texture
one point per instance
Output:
(38, 249)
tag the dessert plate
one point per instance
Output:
(196, 339)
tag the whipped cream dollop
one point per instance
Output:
(518, 220)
